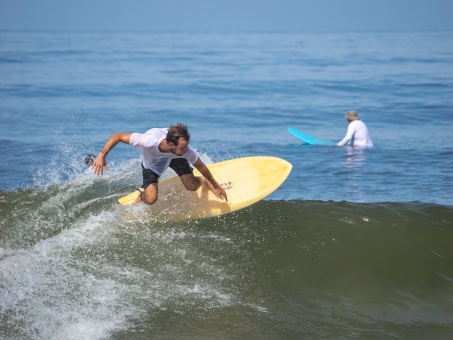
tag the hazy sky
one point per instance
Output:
(226, 15)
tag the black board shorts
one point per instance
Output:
(179, 165)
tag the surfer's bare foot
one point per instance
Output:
(139, 197)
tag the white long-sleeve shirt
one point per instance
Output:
(356, 135)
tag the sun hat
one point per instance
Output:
(351, 115)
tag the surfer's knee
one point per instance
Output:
(150, 202)
(192, 183)
(150, 195)
(192, 187)
(149, 199)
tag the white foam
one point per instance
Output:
(54, 294)
(4, 252)
(81, 283)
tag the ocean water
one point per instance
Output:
(355, 244)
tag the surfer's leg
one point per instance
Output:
(150, 195)
(185, 172)
(191, 182)
(149, 189)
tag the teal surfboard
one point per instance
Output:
(308, 139)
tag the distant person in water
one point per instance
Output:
(161, 148)
(357, 134)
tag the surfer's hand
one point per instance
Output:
(215, 188)
(99, 164)
(224, 197)
(219, 192)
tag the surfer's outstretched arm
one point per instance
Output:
(217, 189)
(99, 162)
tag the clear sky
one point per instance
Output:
(226, 15)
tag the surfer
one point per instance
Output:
(161, 148)
(357, 133)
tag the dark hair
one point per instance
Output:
(175, 132)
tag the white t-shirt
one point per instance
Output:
(357, 135)
(147, 144)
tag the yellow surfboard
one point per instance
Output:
(245, 180)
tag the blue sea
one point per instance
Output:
(356, 243)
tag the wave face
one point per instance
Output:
(74, 265)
